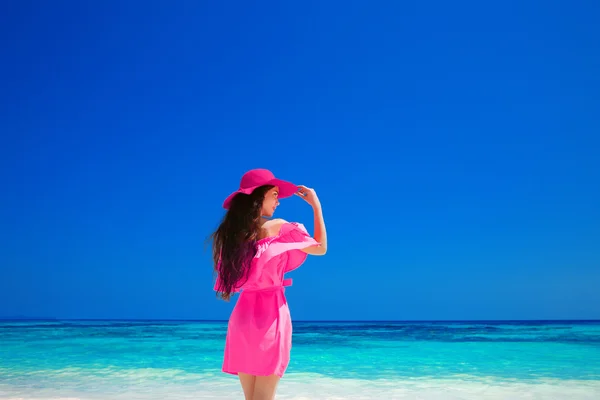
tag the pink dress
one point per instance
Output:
(259, 333)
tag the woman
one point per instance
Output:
(251, 254)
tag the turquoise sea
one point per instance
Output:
(330, 360)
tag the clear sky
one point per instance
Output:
(454, 145)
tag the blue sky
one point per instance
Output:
(454, 147)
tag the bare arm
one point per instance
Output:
(320, 235)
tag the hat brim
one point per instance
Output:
(286, 189)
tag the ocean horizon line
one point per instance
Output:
(307, 321)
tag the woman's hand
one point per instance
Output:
(309, 195)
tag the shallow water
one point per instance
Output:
(182, 360)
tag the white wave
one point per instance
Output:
(149, 384)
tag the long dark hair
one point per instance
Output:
(234, 241)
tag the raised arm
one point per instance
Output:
(310, 196)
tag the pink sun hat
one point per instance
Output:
(259, 177)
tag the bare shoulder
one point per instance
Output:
(273, 226)
(277, 224)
